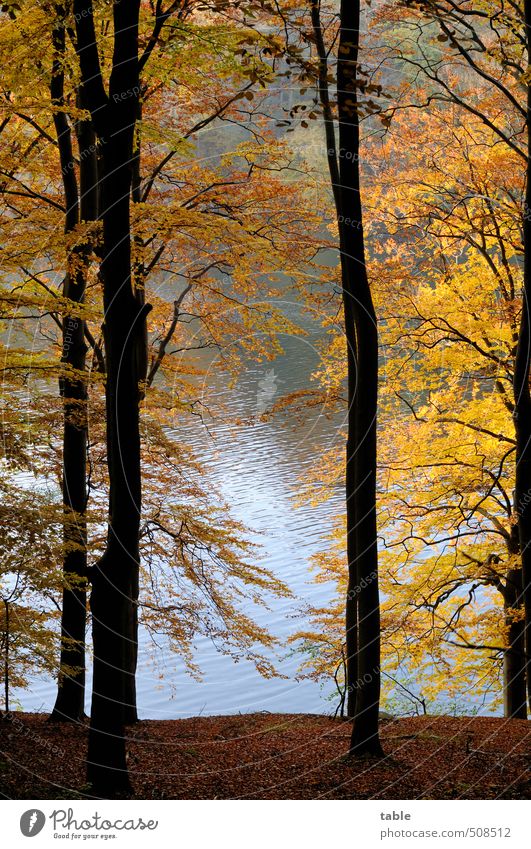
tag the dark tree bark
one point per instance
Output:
(70, 701)
(138, 282)
(351, 602)
(514, 667)
(362, 603)
(363, 389)
(6, 656)
(115, 578)
(522, 395)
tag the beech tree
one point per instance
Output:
(115, 578)
(81, 206)
(144, 264)
(30, 525)
(257, 216)
(360, 329)
(448, 290)
(522, 376)
(491, 44)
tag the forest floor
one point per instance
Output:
(277, 756)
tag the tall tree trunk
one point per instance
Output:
(6, 656)
(115, 577)
(363, 388)
(522, 395)
(362, 611)
(514, 668)
(70, 700)
(138, 283)
(351, 601)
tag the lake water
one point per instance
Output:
(258, 467)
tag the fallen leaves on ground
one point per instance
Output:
(277, 756)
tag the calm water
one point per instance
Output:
(258, 466)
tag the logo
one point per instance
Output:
(32, 822)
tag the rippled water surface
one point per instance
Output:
(258, 466)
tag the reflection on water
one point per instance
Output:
(257, 465)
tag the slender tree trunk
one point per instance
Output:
(70, 700)
(115, 582)
(362, 611)
(514, 668)
(6, 657)
(363, 389)
(138, 282)
(351, 601)
(352, 621)
(115, 578)
(522, 395)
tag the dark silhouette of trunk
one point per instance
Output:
(514, 665)
(362, 602)
(70, 700)
(6, 656)
(138, 280)
(363, 389)
(522, 395)
(351, 602)
(514, 668)
(115, 578)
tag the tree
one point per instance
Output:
(30, 525)
(522, 376)
(115, 578)
(138, 355)
(81, 205)
(242, 210)
(491, 45)
(362, 605)
(448, 297)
